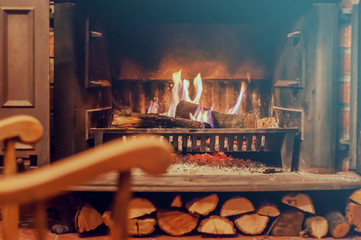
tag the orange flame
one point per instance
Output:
(185, 96)
(153, 107)
(198, 86)
(237, 107)
(202, 115)
(176, 92)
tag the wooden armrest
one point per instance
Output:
(149, 154)
(27, 128)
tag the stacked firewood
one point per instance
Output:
(207, 214)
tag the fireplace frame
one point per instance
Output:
(78, 98)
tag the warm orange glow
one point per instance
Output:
(176, 92)
(198, 86)
(236, 109)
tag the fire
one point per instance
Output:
(237, 107)
(199, 88)
(180, 91)
(185, 96)
(176, 92)
(153, 107)
(202, 115)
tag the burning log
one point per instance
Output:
(203, 206)
(175, 222)
(315, 226)
(289, 223)
(251, 224)
(139, 207)
(301, 201)
(87, 219)
(236, 206)
(268, 209)
(338, 226)
(217, 225)
(135, 120)
(221, 120)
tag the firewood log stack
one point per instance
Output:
(295, 215)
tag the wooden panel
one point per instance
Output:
(24, 66)
(17, 43)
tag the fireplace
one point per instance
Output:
(274, 61)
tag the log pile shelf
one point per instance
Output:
(286, 181)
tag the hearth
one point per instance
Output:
(258, 79)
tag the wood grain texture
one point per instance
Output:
(287, 181)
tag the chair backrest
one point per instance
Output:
(145, 152)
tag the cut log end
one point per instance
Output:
(177, 202)
(203, 206)
(353, 215)
(236, 206)
(338, 225)
(87, 219)
(139, 207)
(217, 225)
(252, 224)
(141, 227)
(301, 201)
(268, 209)
(176, 223)
(315, 227)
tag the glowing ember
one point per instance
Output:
(176, 92)
(237, 107)
(153, 107)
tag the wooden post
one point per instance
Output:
(120, 206)
(10, 212)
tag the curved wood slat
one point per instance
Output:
(146, 152)
(27, 128)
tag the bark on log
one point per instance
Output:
(315, 226)
(301, 201)
(139, 207)
(221, 120)
(217, 225)
(177, 201)
(353, 215)
(289, 223)
(203, 206)
(338, 226)
(135, 120)
(87, 219)
(251, 224)
(136, 227)
(236, 206)
(268, 209)
(175, 222)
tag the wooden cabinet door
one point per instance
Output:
(24, 66)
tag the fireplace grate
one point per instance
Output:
(213, 140)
